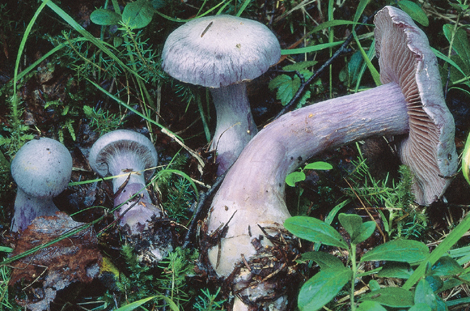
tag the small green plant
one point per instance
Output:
(207, 301)
(287, 86)
(399, 255)
(299, 176)
(457, 71)
(401, 217)
(176, 268)
(102, 121)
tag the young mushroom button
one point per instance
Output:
(223, 52)
(126, 154)
(42, 170)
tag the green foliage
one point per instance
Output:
(414, 11)
(287, 86)
(139, 277)
(295, 177)
(102, 121)
(176, 268)
(457, 71)
(179, 195)
(207, 301)
(399, 255)
(400, 216)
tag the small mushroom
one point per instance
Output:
(126, 154)
(42, 169)
(223, 52)
(410, 104)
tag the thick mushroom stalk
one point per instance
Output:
(223, 52)
(131, 158)
(253, 192)
(42, 169)
(235, 125)
(126, 154)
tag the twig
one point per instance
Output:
(322, 68)
(200, 209)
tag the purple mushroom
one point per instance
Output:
(223, 52)
(126, 154)
(42, 170)
(410, 104)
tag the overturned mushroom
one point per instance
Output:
(42, 169)
(410, 104)
(223, 52)
(130, 157)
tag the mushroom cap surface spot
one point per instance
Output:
(406, 58)
(42, 168)
(123, 143)
(216, 51)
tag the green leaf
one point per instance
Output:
(447, 59)
(286, 87)
(460, 44)
(365, 231)
(314, 230)
(370, 306)
(300, 65)
(420, 307)
(442, 249)
(400, 270)
(319, 165)
(374, 285)
(324, 260)
(294, 177)
(6, 249)
(354, 66)
(446, 266)
(425, 294)
(105, 17)
(350, 222)
(322, 288)
(398, 250)
(414, 11)
(395, 297)
(435, 282)
(158, 4)
(360, 9)
(310, 49)
(138, 14)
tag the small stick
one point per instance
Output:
(338, 52)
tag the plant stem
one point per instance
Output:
(354, 272)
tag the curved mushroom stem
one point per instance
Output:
(235, 125)
(138, 211)
(253, 192)
(27, 208)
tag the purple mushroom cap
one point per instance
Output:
(120, 153)
(223, 52)
(42, 169)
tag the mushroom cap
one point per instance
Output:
(216, 51)
(122, 143)
(42, 168)
(406, 58)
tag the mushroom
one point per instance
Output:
(42, 169)
(409, 104)
(126, 154)
(223, 52)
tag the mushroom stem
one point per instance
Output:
(130, 213)
(27, 208)
(253, 192)
(235, 125)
